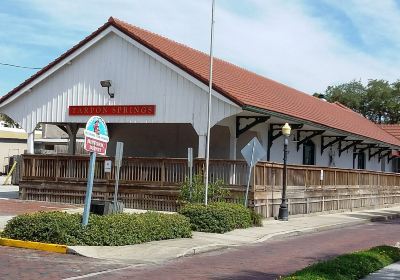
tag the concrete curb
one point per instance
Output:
(54, 248)
(214, 247)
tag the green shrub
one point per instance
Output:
(216, 191)
(256, 219)
(110, 230)
(218, 217)
(350, 266)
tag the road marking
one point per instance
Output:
(101, 272)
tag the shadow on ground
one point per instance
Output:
(376, 215)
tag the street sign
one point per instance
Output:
(107, 166)
(96, 139)
(253, 152)
(96, 136)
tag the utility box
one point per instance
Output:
(105, 207)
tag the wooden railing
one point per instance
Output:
(156, 171)
(152, 183)
(172, 171)
(270, 174)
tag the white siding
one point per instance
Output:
(137, 78)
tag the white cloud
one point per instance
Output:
(282, 42)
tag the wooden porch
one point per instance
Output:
(153, 183)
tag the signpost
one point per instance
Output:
(253, 152)
(118, 161)
(96, 139)
(190, 166)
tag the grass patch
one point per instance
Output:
(110, 230)
(349, 266)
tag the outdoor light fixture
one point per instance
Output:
(283, 208)
(286, 130)
(107, 84)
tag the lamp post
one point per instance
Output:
(283, 208)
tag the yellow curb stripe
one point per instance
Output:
(55, 248)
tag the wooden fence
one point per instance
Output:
(153, 183)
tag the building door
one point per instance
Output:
(309, 153)
(361, 160)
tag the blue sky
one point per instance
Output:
(306, 44)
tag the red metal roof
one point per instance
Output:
(241, 86)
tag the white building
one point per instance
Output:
(159, 105)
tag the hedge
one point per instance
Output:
(352, 266)
(217, 217)
(110, 230)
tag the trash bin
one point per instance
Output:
(105, 207)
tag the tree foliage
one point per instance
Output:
(9, 121)
(378, 100)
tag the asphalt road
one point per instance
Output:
(265, 260)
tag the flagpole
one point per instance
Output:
(209, 104)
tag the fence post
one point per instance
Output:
(337, 199)
(323, 203)
(351, 203)
(162, 172)
(334, 178)
(57, 169)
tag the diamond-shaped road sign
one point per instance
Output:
(253, 152)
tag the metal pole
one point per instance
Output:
(190, 166)
(116, 187)
(209, 104)
(248, 179)
(89, 188)
(283, 208)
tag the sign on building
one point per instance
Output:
(96, 136)
(112, 110)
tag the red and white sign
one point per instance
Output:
(96, 146)
(96, 136)
(118, 110)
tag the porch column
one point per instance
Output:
(202, 146)
(232, 151)
(31, 143)
(232, 147)
(72, 130)
(232, 139)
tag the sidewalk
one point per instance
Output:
(157, 252)
(391, 272)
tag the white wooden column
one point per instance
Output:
(232, 147)
(232, 150)
(31, 143)
(232, 141)
(202, 146)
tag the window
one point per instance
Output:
(361, 160)
(309, 153)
